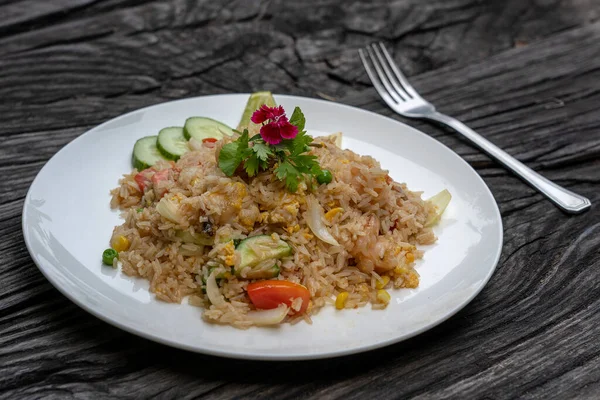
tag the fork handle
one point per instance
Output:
(565, 199)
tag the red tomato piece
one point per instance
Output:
(270, 294)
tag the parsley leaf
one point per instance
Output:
(232, 154)
(297, 119)
(251, 165)
(287, 172)
(228, 158)
(262, 150)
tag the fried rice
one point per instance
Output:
(376, 222)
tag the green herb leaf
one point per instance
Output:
(297, 119)
(228, 158)
(251, 165)
(262, 150)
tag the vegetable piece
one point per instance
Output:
(108, 256)
(201, 128)
(255, 101)
(338, 139)
(315, 221)
(380, 284)
(255, 251)
(168, 207)
(145, 153)
(270, 294)
(171, 143)
(195, 250)
(440, 201)
(212, 290)
(120, 243)
(324, 177)
(198, 238)
(341, 299)
(383, 296)
(268, 317)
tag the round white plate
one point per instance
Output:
(67, 223)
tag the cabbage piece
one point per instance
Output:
(315, 221)
(169, 209)
(440, 201)
(268, 317)
(212, 290)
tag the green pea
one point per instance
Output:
(324, 177)
(108, 256)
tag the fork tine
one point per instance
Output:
(390, 76)
(375, 81)
(383, 78)
(403, 81)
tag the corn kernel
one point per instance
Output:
(308, 236)
(120, 243)
(297, 228)
(340, 300)
(410, 257)
(333, 212)
(380, 284)
(383, 296)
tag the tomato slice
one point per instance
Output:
(209, 139)
(270, 294)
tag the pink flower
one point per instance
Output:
(265, 113)
(278, 127)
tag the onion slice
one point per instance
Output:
(212, 290)
(315, 221)
(440, 201)
(268, 317)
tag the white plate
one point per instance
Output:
(67, 224)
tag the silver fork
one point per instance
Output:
(394, 89)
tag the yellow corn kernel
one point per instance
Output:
(331, 204)
(340, 300)
(120, 243)
(412, 281)
(383, 296)
(410, 257)
(289, 229)
(345, 161)
(383, 282)
(329, 215)
(296, 228)
(308, 236)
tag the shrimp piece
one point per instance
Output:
(375, 252)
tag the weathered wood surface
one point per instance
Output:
(524, 73)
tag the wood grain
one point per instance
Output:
(525, 74)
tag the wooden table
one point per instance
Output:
(524, 73)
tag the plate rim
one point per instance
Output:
(97, 310)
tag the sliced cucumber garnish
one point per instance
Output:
(201, 128)
(145, 153)
(255, 101)
(255, 252)
(171, 143)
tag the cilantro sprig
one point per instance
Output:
(289, 159)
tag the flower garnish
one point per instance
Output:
(277, 127)
(282, 145)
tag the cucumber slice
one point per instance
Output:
(255, 100)
(171, 143)
(145, 153)
(255, 252)
(201, 128)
